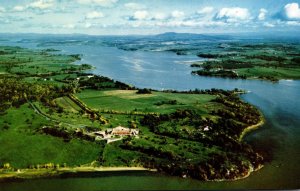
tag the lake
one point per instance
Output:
(165, 70)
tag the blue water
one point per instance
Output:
(165, 70)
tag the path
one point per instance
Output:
(38, 111)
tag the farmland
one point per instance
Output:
(60, 109)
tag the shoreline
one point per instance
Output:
(252, 127)
(251, 170)
(27, 174)
(22, 174)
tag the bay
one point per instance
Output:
(165, 70)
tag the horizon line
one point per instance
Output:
(277, 33)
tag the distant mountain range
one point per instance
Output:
(191, 36)
(168, 36)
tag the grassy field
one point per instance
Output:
(67, 104)
(32, 62)
(22, 145)
(40, 66)
(113, 155)
(281, 73)
(68, 115)
(128, 101)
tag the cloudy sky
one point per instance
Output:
(149, 16)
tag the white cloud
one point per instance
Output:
(270, 25)
(140, 15)
(292, 11)
(190, 23)
(205, 10)
(102, 3)
(56, 27)
(4, 21)
(177, 14)
(84, 1)
(2, 9)
(68, 26)
(159, 16)
(134, 6)
(94, 15)
(293, 23)
(233, 14)
(262, 14)
(41, 4)
(88, 25)
(18, 8)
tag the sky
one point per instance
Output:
(122, 17)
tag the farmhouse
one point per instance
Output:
(124, 131)
(115, 134)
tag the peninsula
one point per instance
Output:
(56, 118)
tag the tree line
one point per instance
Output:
(15, 92)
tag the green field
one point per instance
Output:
(67, 104)
(260, 72)
(23, 145)
(39, 66)
(157, 102)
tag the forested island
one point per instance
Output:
(267, 61)
(70, 120)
